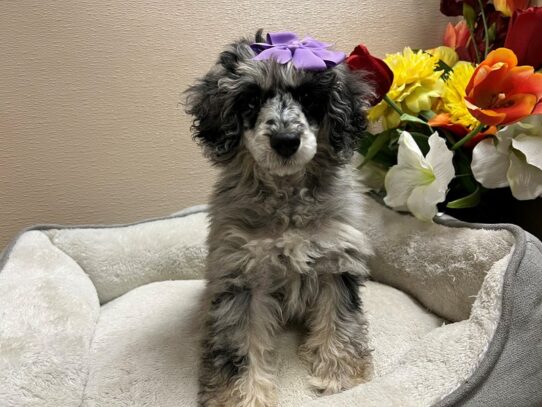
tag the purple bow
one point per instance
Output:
(308, 54)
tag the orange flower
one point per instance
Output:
(507, 7)
(444, 121)
(500, 92)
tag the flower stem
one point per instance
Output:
(468, 137)
(486, 31)
(474, 45)
(393, 105)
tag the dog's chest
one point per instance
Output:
(291, 207)
(296, 232)
(286, 231)
(326, 247)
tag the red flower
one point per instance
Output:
(378, 72)
(457, 37)
(501, 92)
(525, 36)
(453, 8)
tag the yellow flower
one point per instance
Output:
(415, 86)
(445, 54)
(453, 96)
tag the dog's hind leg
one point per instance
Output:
(336, 348)
(237, 367)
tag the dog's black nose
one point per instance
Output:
(286, 144)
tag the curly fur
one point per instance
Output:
(284, 241)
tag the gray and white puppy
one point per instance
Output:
(284, 240)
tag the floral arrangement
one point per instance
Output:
(462, 118)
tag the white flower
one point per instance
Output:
(418, 183)
(513, 158)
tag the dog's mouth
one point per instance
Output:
(278, 164)
(288, 163)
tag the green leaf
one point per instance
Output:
(365, 141)
(380, 140)
(427, 114)
(441, 66)
(470, 15)
(445, 68)
(385, 158)
(405, 117)
(387, 155)
(468, 201)
(492, 32)
(463, 162)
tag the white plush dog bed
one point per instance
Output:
(105, 316)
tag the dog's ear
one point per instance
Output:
(215, 131)
(258, 37)
(346, 115)
(217, 126)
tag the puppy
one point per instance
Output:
(284, 239)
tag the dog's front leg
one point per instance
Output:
(236, 368)
(336, 348)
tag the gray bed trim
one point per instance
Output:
(527, 248)
(493, 383)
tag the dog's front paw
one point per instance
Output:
(333, 375)
(242, 394)
(255, 389)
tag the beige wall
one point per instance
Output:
(90, 126)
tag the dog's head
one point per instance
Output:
(282, 115)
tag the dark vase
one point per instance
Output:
(499, 206)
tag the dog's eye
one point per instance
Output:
(253, 102)
(309, 101)
(306, 98)
(248, 108)
(312, 99)
(249, 100)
